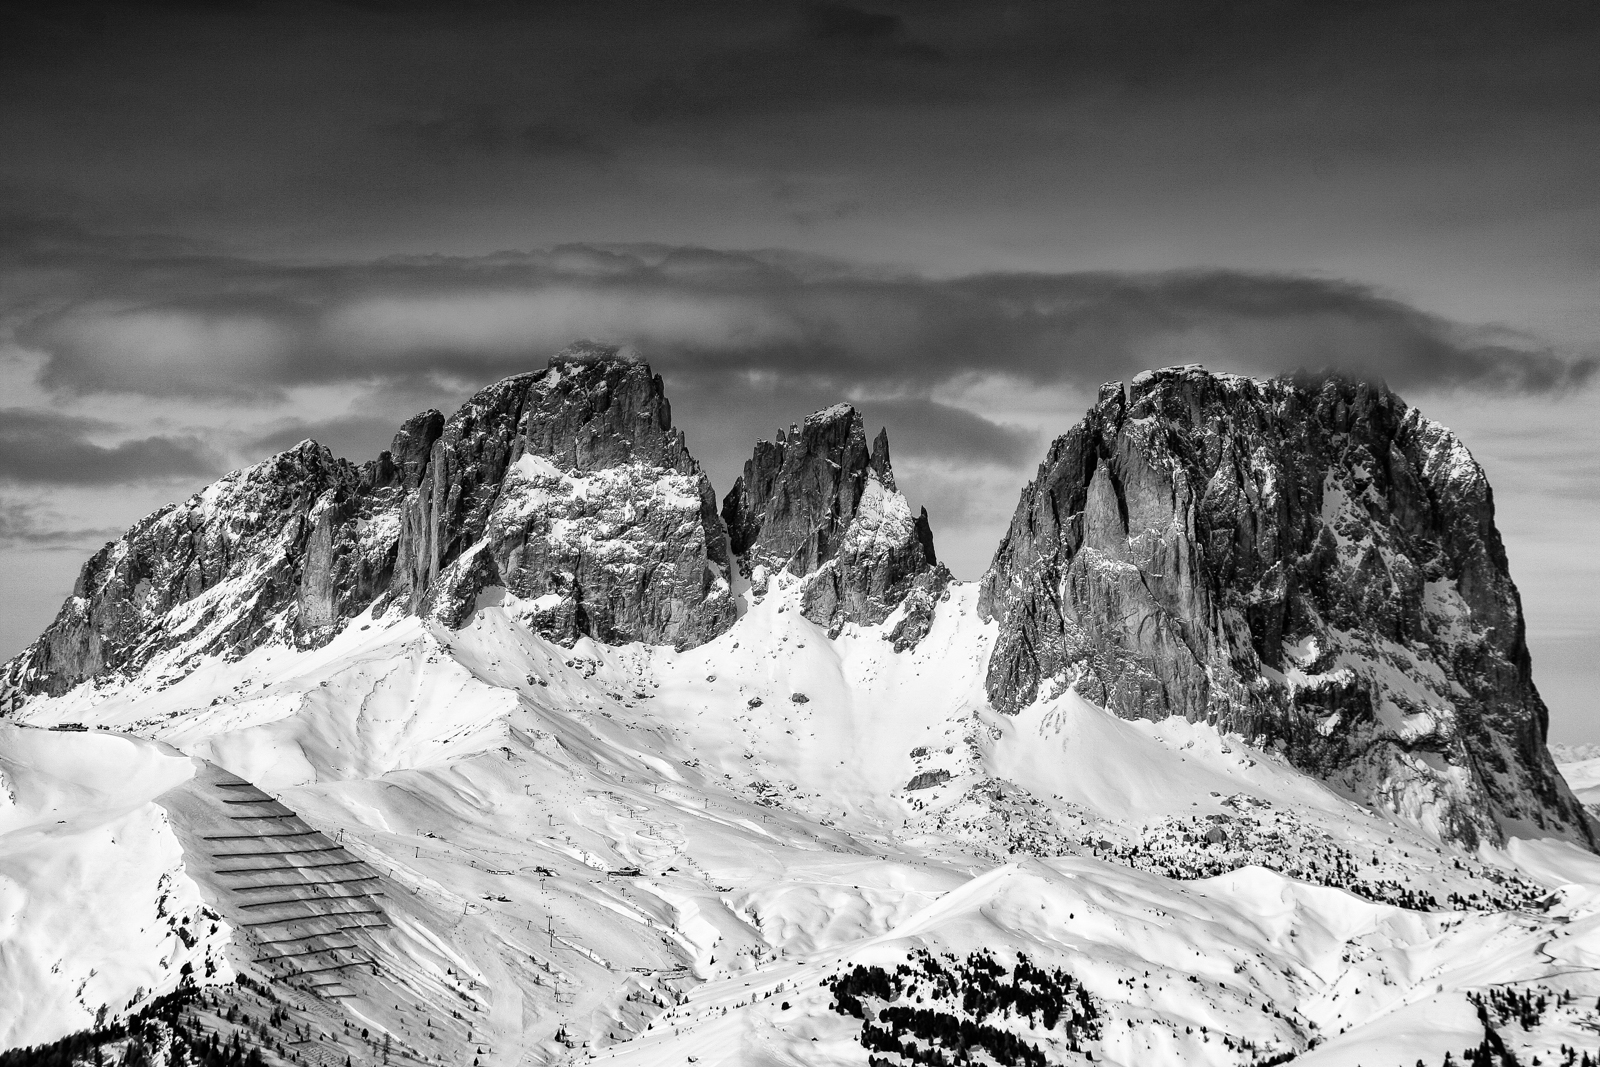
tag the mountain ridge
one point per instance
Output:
(436, 805)
(1182, 520)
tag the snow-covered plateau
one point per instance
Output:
(792, 827)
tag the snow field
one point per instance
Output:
(621, 852)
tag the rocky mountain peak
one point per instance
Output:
(1307, 561)
(798, 494)
(818, 503)
(568, 486)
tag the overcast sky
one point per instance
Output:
(225, 227)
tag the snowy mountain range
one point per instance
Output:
(514, 746)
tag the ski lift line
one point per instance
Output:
(288, 966)
(286, 901)
(312, 899)
(318, 987)
(302, 937)
(248, 818)
(306, 952)
(289, 867)
(265, 799)
(275, 855)
(253, 837)
(335, 967)
(294, 920)
(335, 932)
(303, 885)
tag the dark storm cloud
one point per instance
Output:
(840, 22)
(268, 112)
(1140, 45)
(557, 139)
(928, 429)
(1433, 63)
(209, 326)
(830, 53)
(450, 137)
(45, 447)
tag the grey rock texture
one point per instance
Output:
(820, 504)
(1308, 562)
(928, 590)
(242, 561)
(587, 499)
(569, 487)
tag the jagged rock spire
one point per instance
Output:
(1309, 562)
(819, 504)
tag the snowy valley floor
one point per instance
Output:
(495, 850)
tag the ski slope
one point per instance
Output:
(648, 856)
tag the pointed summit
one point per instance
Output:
(880, 459)
(568, 487)
(819, 504)
(799, 493)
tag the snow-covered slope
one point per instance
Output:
(95, 904)
(1580, 766)
(648, 854)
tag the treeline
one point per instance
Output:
(131, 1042)
(1524, 1006)
(936, 1032)
(937, 1010)
(1493, 1053)
(1191, 847)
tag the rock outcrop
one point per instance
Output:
(584, 500)
(1308, 562)
(224, 570)
(819, 504)
(569, 487)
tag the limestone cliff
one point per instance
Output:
(569, 487)
(1308, 562)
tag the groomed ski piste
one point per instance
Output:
(487, 848)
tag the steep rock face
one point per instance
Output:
(569, 487)
(630, 552)
(223, 570)
(588, 498)
(1310, 563)
(818, 503)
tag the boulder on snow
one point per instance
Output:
(928, 779)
